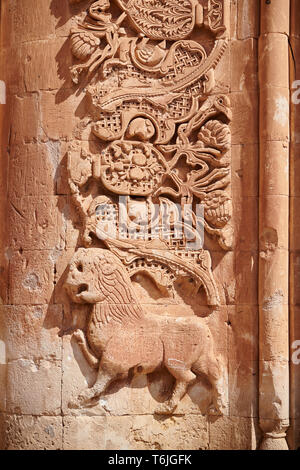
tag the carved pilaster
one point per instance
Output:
(274, 224)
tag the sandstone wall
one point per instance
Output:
(42, 368)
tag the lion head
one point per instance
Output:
(97, 275)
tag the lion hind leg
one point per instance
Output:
(183, 379)
(212, 370)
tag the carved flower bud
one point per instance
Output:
(215, 134)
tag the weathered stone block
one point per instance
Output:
(40, 223)
(234, 433)
(31, 332)
(32, 432)
(33, 387)
(248, 19)
(244, 170)
(33, 275)
(244, 72)
(126, 433)
(244, 127)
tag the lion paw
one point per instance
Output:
(216, 410)
(165, 409)
(78, 402)
(74, 404)
(78, 335)
(84, 401)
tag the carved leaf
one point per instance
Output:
(84, 43)
(215, 15)
(162, 19)
(218, 208)
(215, 134)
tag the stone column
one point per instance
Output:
(274, 223)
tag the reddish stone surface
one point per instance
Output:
(55, 302)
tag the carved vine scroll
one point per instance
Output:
(159, 177)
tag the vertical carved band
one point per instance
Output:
(154, 184)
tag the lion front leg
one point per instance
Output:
(80, 338)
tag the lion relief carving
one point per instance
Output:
(122, 338)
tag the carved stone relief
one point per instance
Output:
(152, 186)
(122, 338)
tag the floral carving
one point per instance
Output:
(132, 168)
